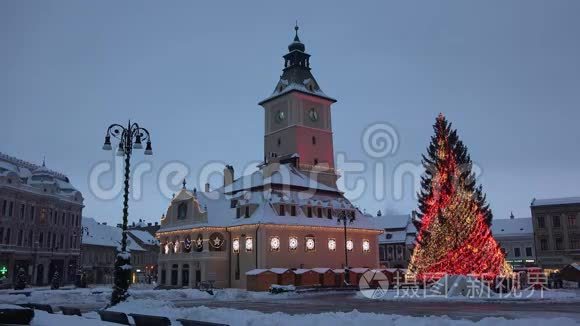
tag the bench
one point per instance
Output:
(114, 317)
(146, 320)
(70, 311)
(15, 315)
(186, 322)
(38, 306)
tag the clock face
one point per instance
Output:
(313, 114)
(310, 244)
(349, 245)
(331, 244)
(293, 243)
(275, 243)
(280, 116)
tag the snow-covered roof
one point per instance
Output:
(393, 221)
(398, 229)
(300, 271)
(512, 227)
(256, 271)
(145, 237)
(286, 175)
(321, 270)
(38, 179)
(289, 87)
(98, 234)
(555, 201)
(278, 270)
(359, 270)
(222, 214)
(394, 236)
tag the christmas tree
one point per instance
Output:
(453, 221)
(21, 278)
(55, 283)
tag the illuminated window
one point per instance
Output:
(236, 245)
(274, 244)
(249, 244)
(366, 246)
(293, 243)
(332, 244)
(349, 245)
(310, 244)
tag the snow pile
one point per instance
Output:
(461, 285)
(247, 317)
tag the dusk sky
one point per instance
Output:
(505, 73)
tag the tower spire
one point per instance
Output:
(296, 39)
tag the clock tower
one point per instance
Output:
(298, 118)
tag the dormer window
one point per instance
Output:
(292, 210)
(319, 212)
(247, 214)
(329, 213)
(282, 210)
(182, 211)
(309, 211)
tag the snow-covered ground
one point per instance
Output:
(193, 304)
(245, 317)
(561, 295)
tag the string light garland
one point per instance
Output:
(454, 219)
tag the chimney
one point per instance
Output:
(228, 175)
(207, 187)
(149, 224)
(156, 223)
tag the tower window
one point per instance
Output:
(182, 211)
(313, 140)
(279, 141)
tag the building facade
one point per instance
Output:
(397, 242)
(516, 237)
(287, 214)
(556, 225)
(144, 262)
(100, 243)
(40, 225)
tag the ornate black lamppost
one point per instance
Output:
(130, 137)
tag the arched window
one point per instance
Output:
(182, 211)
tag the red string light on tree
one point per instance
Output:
(453, 222)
